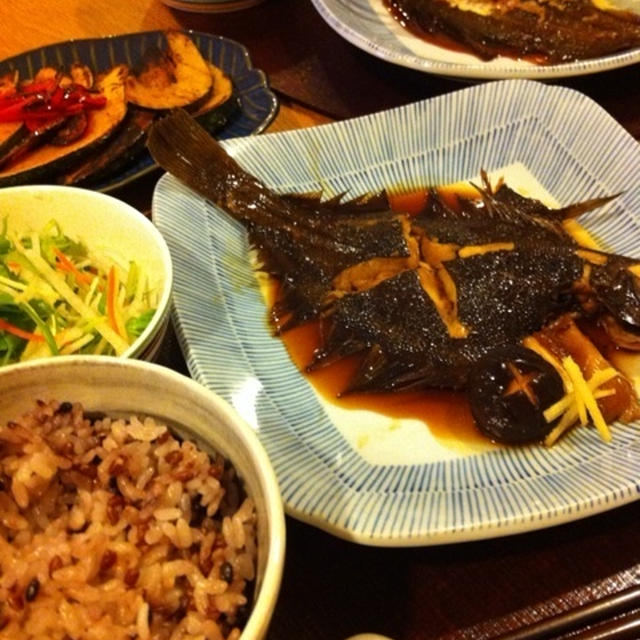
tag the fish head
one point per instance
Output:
(616, 285)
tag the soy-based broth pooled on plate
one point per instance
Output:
(544, 31)
(489, 295)
(114, 528)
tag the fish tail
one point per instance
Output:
(185, 149)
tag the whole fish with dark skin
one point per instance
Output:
(552, 31)
(421, 299)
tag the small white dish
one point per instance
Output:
(107, 226)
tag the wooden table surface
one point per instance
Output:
(333, 588)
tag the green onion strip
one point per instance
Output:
(41, 266)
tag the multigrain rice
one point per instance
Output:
(114, 529)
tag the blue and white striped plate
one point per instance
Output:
(360, 475)
(369, 25)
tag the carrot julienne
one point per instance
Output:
(20, 333)
(64, 264)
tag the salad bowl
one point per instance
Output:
(81, 273)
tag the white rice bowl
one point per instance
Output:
(115, 526)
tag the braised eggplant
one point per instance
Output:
(73, 128)
(24, 141)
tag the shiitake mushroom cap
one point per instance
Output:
(502, 409)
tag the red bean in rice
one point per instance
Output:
(114, 529)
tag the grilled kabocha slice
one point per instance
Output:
(46, 161)
(128, 142)
(122, 148)
(221, 104)
(176, 77)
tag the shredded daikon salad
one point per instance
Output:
(58, 297)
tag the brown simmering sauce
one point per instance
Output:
(446, 413)
(444, 41)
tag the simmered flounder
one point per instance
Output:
(549, 31)
(430, 300)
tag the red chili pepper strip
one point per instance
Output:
(8, 101)
(44, 86)
(15, 112)
(20, 333)
(56, 99)
(45, 101)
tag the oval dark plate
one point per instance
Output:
(258, 104)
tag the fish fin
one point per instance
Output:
(186, 150)
(577, 209)
(370, 370)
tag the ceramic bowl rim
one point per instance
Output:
(151, 234)
(269, 586)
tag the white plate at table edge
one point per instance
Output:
(324, 479)
(370, 27)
